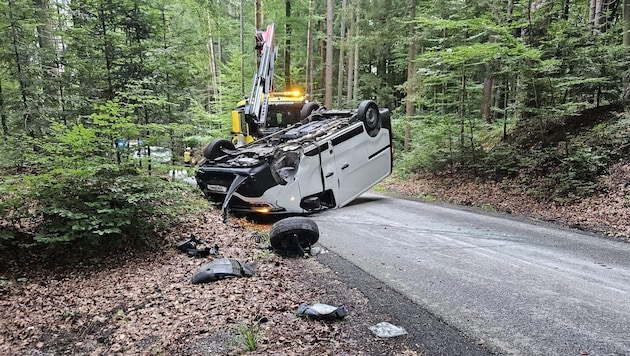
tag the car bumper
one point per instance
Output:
(258, 192)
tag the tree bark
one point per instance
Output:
(626, 43)
(342, 41)
(411, 71)
(242, 43)
(48, 50)
(486, 98)
(3, 115)
(355, 84)
(258, 14)
(322, 57)
(212, 87)
(107, 54)
(349, 66)
(329, 55)
(287, 47)
(309, 50)
(488, 84)
(20, 72)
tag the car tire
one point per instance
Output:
(307, 109)
(368, 114)
(291, 236)
(212, 150)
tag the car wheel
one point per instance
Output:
(291, 236)
(368, 113)
(212, 150)
(307, 109)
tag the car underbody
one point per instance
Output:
(301, 168)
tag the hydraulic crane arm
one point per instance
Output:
(256, 107)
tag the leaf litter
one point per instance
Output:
(143, 302)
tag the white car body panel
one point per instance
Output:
(339, 159)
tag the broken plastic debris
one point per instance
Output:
(385, 329)
(222, 268)
(191, 247)
(321, 311)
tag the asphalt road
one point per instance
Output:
(516, 287)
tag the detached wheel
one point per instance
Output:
(212, 150)
(368, 113)
(307, 109)
(291, 236)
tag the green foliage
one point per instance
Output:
(249, 335)
(82, 189)
(503, 161)
(550, 176)
(96, 206)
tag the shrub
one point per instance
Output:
(102, 206)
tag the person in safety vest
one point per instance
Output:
(188, 156)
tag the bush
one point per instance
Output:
(502, 161)
(90, 208)
(74, 186)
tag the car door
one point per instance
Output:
(329, 169)
(318, 172)
(361, 161)
(350, 157)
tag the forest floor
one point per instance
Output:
(606, 213)
(142, 301)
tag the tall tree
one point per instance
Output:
(350, 63)
(626, 44)
(328, 80)
(287, 46)
(342, 44)
(309, 50)
(411, 70)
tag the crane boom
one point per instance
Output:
(262, 84)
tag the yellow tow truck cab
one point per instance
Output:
(283, 109)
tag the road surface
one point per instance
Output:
(518, 287)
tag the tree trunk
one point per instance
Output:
(349, 66)
(488, 83)
(107, 54)
(242, 43)
(3, 115)
(287, 47)
(342, 40)
(48, 50)
(309, 50)
(626, 44)
(322, 57)
(565, 9)
(211, 90)
(486, 98)
(461, 112)
(355, 84)
(411, 71)
(329, 55)
(258, 14)
(20, 72)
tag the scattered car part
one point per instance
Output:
(322, 311)
(385, 329)
(222, 268)
(293, 235)
(191, 247)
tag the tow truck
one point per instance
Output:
(265, 111)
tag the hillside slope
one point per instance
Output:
(571, 170)
(607, 212)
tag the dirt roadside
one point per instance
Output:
(143, 303)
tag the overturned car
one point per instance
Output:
(325, 161)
